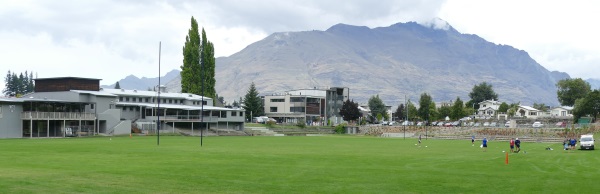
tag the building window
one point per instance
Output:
(126, 99)
(124, 108)
(273, 109)
(297, 99)
(203, 102)
(91, 106)
(120, 98)
(223, 114)
(147, 99)
(278, 100)
(233, 113)
(296, 109)
(133, 99)
(131, 108)
(532, 113)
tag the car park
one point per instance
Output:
(537, 124)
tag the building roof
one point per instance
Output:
(145, 93)
(11, 99)
(564, 107)
(529, 108)
(53, 78)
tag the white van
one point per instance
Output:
(587, 142)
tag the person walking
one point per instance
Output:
(472, 140)
(484, 144)
(419, 140)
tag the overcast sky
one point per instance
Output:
(110, 40)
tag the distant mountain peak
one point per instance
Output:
(438, 24)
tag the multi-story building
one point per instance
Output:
(67, 106)
(313, 106)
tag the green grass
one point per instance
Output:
(329, 164)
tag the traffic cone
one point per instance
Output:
(506, 161)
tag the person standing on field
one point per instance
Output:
(512, 145)
(518, 144)
(484, 144)
(419, 140)
(472, 140)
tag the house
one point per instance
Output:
(528, 112)
(562, 111)
(65, 106)
(488, 108)
(313, 106)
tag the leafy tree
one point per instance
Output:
(377, 107)
(457, 109)
(400, 112)
(252, 103)
(235, 104)
(117, 85)
(541, 106)
(503, 107)
(589, 105)
(198, 69)
(412, 111)
(481, 93)
(424, 106)
(512, 109)
(444, 111)
(433, 112)
(349, 111)
(570, 90)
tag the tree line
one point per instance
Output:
(18, 85)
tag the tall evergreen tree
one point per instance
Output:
(424, 106)
(190, 70)
(207, 62)
(117, 85)
(458, 109)
(252, 103)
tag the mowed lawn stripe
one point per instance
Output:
(328, 164)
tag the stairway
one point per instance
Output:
(261, 131)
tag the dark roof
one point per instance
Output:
(53, 78)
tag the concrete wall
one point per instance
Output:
(66, 96)
(10, 120)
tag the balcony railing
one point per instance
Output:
(184, 118)
(58, 115)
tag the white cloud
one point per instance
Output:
(112, 39)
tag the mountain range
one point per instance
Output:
(401, 59)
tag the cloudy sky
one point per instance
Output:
(110, 40)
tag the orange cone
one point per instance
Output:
(506, 161)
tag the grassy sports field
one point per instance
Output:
(327, 164)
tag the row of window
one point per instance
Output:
(292, 109)
(223, 114)
(153, 100)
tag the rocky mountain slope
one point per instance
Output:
(402, 59)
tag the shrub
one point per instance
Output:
(340, 128)
(301, 123)
(270, 123)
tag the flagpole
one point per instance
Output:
(158, 109)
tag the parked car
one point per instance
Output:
(486, 124)
(537, 124)
(448, 124)
(471, 123)
(477, 125)
(440, 124)
(433, 123)
(456, 124)
(587, 142)
(493, 124)
(392, 123)
(507, 124)
(561, 124)
(420, 123)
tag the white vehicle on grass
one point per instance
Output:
(586, 142)
(537, 124)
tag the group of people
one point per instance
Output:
(512, 143)
(570, 144)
